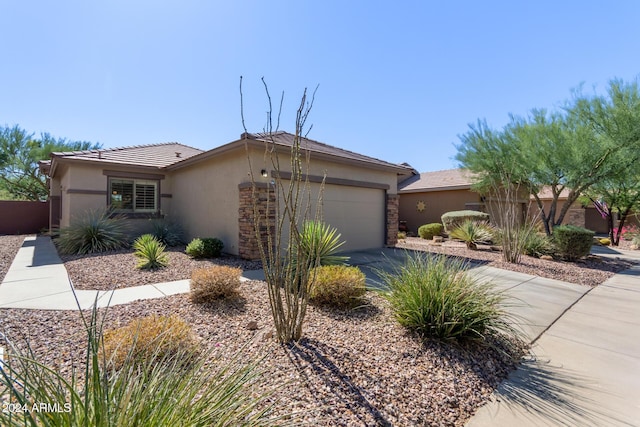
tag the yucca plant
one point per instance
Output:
(95, 231)
(435, 297)
(320, 242)
(150, 252)
(473, 233)
(140, 392)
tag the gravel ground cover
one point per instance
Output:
(117, 269)
(353, 368)
(589, 272)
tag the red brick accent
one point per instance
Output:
(393, 203)
(266, 200)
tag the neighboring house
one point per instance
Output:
(209, 192)
(425, 197)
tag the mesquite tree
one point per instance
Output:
(288, 271)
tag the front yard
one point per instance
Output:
(353, 366)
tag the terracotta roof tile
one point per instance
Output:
(153, 155)
(450, 179)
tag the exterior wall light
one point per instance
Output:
(264, 173)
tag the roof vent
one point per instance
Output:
(178, 154)
(99, 154)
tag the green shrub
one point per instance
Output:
(337, 285)
(537, 244)
(635, 241)
(402, 235)
(435, 297)
(427, 231)
(572, 242)
(473, 233)
(93, 232)
(151, 252)
(319, 242)
(168, 232)
(209, 284)
(208, 247)
(151, 338)
(140, 392)
(455, 218)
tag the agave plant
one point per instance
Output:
(473, 233)
(321, 242)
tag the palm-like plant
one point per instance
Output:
(150, 251)
(321, 242)
(473, 233)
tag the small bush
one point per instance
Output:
(636, 241)
(151, 252)
(455, 218)
(427, 231)
(473, 233)
(402, 235)
(93, 232)
(605, 241)
(572, 242)
(435, 297)
(337, 285)
(537, 244)
(146, 339)
(169, 233)
(217, 282)
(208, 247)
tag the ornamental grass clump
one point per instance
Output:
(141, 392)
(156, 338)
(168, 232)
(95, 231)
(337, 285)
(213, 283)
(320, 243)
(151, 252)
(436, 298)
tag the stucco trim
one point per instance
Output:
(166, 195)
(434, 189)
(83, 191)
(132, 175)
(334, 181)
(249, 185)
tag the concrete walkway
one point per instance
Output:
(585, 369)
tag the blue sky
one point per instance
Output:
(397, 80)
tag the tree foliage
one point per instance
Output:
(567, 151)
(20, 151)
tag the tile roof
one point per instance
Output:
(152, 155)
(450, 179)
(286, 139)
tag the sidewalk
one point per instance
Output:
(586, 341)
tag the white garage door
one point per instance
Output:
(358, 214)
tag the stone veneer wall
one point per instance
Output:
(575, 216)
(265, 199)
(393, 204)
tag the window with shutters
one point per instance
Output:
(133, 195)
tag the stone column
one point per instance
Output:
(266, 204)
(393, 204)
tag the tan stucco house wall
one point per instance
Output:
(206, 192)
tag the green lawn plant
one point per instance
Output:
(138, 393)
(427, 231)
(473, 233)
(572, 242)
(435, 297)
(95, 231)
(151, 252)
(206, 247)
